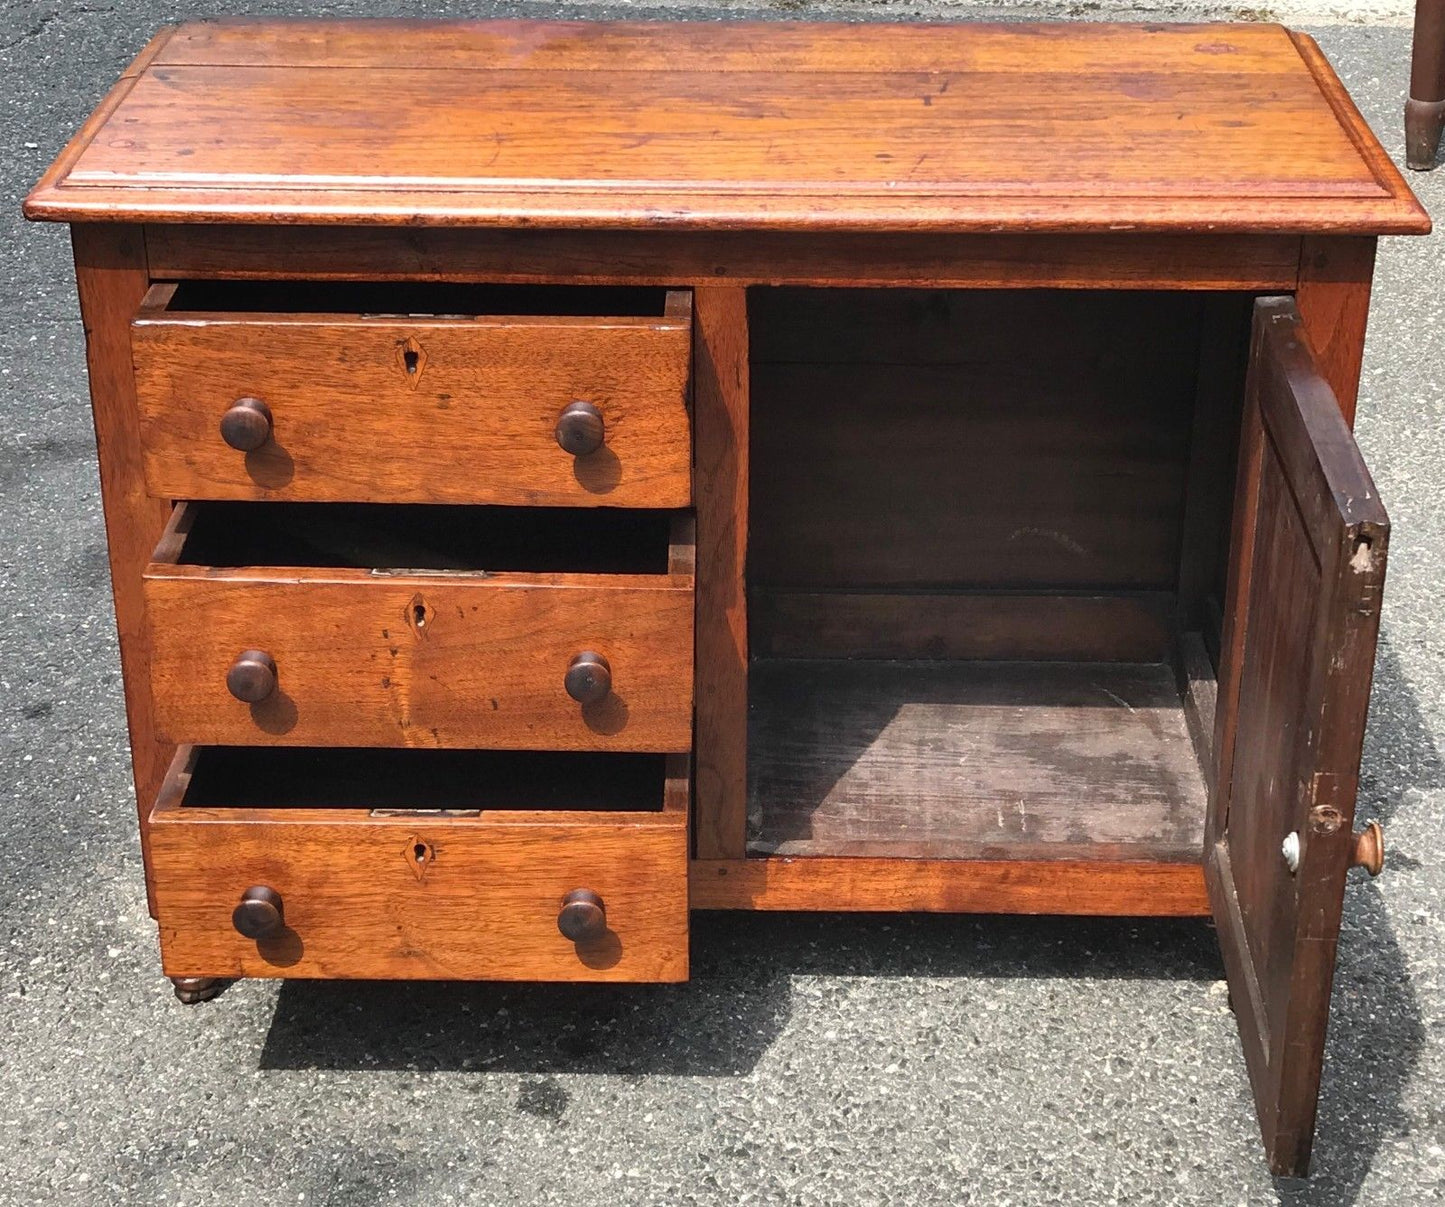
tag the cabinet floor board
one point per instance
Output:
(983, 760)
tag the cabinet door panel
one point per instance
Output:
(1308, 568)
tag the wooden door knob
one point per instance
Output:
(259, 915)
(247, 425)
(583, 916)
(252, 677)
(589, 678)
(1368, 850)
(580, 429)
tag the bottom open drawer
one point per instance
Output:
(422, 864)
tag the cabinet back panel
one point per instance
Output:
(1030, 440)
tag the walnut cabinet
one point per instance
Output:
(561, 476)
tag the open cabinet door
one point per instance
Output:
(1297, 654)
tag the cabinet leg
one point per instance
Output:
(1425, 110)
(191, 990)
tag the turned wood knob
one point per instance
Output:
(247, 425)
(583, 916)
(589, 678)
(1368, 849)
(580, 429)
(258, 916)
(252, 676)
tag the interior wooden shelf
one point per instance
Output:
(972, 760)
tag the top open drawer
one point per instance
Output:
(409, 394)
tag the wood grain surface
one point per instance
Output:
(453, 410)
(1013, 886)
(1300, 635)
(411, 657)
(1333, 297)
(927, 440)
(1225, 128)
(111, 276)
(961, 624)
(723, 413)
(670, 257)
(420, 897)
(972, 760)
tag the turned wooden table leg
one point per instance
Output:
(191, 990)
(1425, 110)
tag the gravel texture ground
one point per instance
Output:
(811, 1060)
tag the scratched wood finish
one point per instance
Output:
(957, 886)
(480, 901)
(921, 440)
(413, 658)
(974, 760)
(668, 257)
(1229, 128)
(451, 410)
(1301, 632)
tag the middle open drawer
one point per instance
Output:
(364, 625)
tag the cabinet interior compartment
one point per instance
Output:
(407, 779)
(987, 546)
(427, 537)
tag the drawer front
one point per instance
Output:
(420, 897)
(426, 410)
(413, 660)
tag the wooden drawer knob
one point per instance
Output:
(583, 916)
(1368, 848)
(589, 678)
(259, 915)
(252, 677)
(580, 429)
(247, 425)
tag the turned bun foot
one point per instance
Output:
(191, 990)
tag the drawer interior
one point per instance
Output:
(425, 537)
(455, 781)
(414, 299)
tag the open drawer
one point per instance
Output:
(422, 864)
(355, 625)
(345, 393)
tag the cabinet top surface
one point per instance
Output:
(1067, 127)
